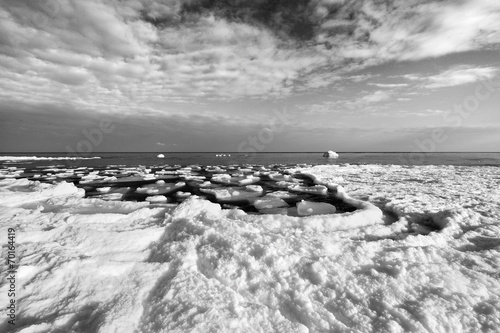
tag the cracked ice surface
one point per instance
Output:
(430, 264)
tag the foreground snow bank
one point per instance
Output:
(16, 192)
(195, 267)
(83, 262)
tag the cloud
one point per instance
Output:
(377, 96)
(454, 76)
(459, 75)
(148, 56)
(417, 113)
(389, 85)
(413, 30)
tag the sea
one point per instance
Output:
(132, 159)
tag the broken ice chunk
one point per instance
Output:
(221, 178)
(231, 194)
(269, 202)
(110, 196)
(219, 193)
(157, 198)
(182, 195)
(249, 180)
(165, 188)
(282, 194)
(316, 189)
(149, 177)
(314, 208)
(275, 211)
(254, 188)
(278, 177)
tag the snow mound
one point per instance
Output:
(18, 192)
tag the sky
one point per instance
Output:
(211, 75)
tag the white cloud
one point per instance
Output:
(455, 76)
(459, 75)
(139, 56)
(412, 30)
(389, 85)
(377, 96)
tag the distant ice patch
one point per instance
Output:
(331, 154)
(32, 158)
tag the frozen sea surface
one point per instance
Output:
(420, 253)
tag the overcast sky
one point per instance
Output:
(195, 75)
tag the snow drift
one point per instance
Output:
(420, 254)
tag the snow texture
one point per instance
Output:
(420, 254)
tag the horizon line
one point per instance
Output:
(236, 152)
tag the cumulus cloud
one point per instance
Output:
(152, 56)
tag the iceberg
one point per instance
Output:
(160, 156)
(331, 154)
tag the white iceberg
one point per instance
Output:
(160, 156)
(331, 154)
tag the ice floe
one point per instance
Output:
(418, 251)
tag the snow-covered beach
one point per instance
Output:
(211, 166)
(419, 254)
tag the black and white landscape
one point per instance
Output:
(156, 172)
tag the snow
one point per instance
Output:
(15, 192)
(420, 253)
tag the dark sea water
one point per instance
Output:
(315, 158)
